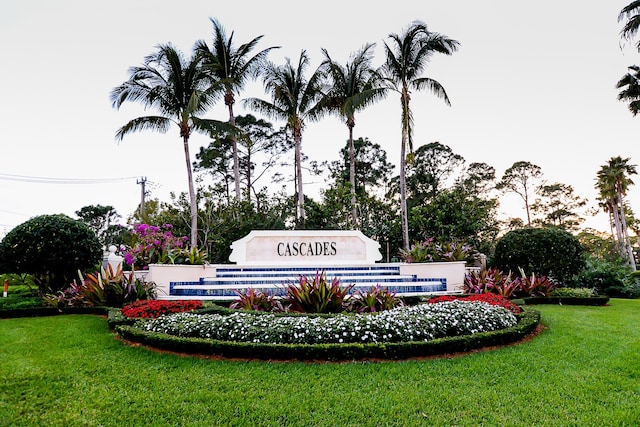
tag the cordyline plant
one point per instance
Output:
(432, 250)
(536, 286)
(496, 282)
(104, 288)
(317, 295)
(256, 301)
(374, 299)
(491, 280)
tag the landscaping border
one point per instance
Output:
(593, 301)
(528, 322)
(50, 311)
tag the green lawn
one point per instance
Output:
(584, 370)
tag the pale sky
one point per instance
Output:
(531, 81)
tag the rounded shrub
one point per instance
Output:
(549, 251)
(52, 248)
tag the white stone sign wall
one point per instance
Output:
(305, 247)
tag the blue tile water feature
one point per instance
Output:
(273, 280)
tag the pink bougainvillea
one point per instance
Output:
(155, 244)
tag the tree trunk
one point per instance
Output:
(234, 143)
(249, 176)
(297, 137)
(352, 179)
(404, 99)
(619, 237)
(192, 194)
(403, 193)
(616, 220)
(526, 206)
(627, 240)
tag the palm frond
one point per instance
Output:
(155, 123)
(433, 86)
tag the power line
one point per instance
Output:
(12, 213)
(44, 180)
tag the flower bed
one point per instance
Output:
(412, 323)
(400, 333)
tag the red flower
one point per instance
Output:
(487, 297)
(151, 309)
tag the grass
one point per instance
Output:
(20, 296)
(584, 370)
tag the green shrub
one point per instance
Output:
(547, 251)
(631, 287)
(13, 302)
(52, 248)
(604, 276)
(597, 300)
(573, 292)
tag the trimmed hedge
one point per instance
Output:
(548, 251)
(595, 300)
(50, 311)
(528, 321)
(52, 248)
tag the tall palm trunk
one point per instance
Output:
(297, 138)
(403, 193)
(404, 99)
(621, 243)
(627, 240)
(352, 174)
(229, 101)
(192, 193)
(248, 172)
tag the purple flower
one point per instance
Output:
(141, 229)
(128, 258)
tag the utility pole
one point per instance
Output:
(142, 182)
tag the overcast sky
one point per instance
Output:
(531, 81)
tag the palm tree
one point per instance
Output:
(631, 14)
(180, 91)
(352, 88)
(406, 59)
(630, 85)
(294, 100)
(231, 67)
(613, 182)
